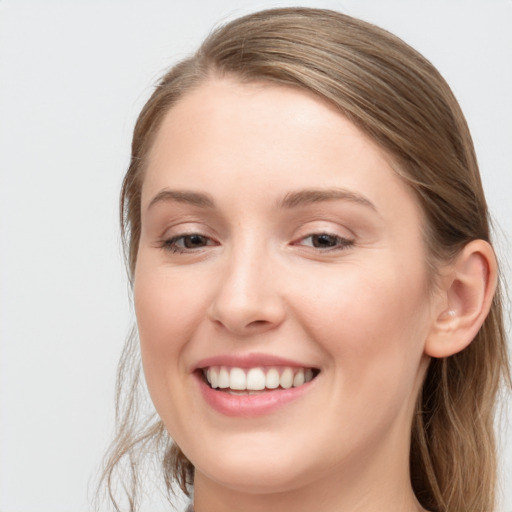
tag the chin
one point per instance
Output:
(252, 474)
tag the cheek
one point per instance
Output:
(168, 309)
(373, 325)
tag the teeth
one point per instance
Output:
(213, 378)
(272, 379)
(223, 378)
(298, 380)
(237, 379)
(256, 379)
(287, 378)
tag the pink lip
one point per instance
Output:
(249, 405)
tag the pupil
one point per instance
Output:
(192, 241)
(324, 241)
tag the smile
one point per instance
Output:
(246, 381)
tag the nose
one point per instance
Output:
(248, 299)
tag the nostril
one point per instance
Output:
(258, 323)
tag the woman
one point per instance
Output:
(316, 295)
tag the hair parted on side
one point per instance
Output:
(396, 96)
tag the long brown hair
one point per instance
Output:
(399, 99)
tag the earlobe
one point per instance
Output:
(466, 296)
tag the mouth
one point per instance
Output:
(253, 381)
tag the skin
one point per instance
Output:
(360, 311)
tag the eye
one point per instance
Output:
(325, 241)
(187, 242)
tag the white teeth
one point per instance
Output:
(272, 379)
(237, 379)
(256, 379)
(223, 378)
(287, 378)
(298, 380)
(213, 378)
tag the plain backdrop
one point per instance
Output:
(73, 76)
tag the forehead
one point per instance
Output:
(226, 137)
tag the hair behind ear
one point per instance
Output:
(453, 446)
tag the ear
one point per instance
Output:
(467, 289)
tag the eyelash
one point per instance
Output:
(334, 242)
(171, 244)
(339, 243)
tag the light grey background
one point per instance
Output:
(73, 76)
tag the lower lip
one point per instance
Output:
(249, 405)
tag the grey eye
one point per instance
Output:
(324, 240)
(192, 241)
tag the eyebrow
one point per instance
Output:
(316, 195)
(290, 200)
(183, 196)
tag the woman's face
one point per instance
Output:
(278, 246)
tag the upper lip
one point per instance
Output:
(252, 360)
